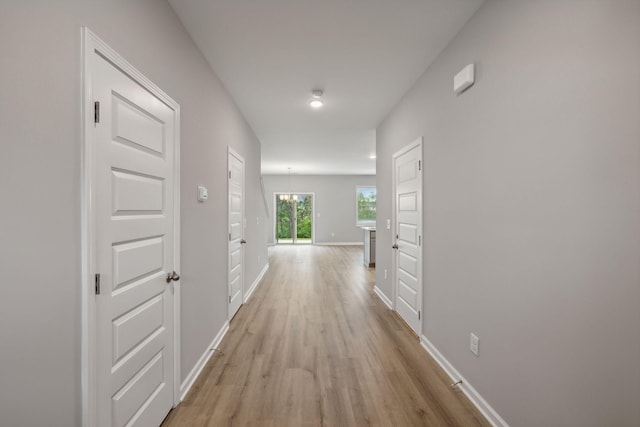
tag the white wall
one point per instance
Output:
(335, 201)
(532, 208)
(40, 190)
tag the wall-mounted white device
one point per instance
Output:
(463, 79)
(203, 194)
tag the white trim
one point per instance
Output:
(478, 401)
(243, 228)
(90, 45)
(340, 244)
(264, 196)
(256, 282)
(200, 364)
(383, 297)
(88, 343)
(177, 239)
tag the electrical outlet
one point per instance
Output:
(474, 344)
(385, 273)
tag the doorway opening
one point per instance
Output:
(294, 218)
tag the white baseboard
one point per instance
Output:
(383, 297)
(195, 372)
(339, 244)
(489, 413)
(255, 283)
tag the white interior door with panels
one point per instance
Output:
(407, 199)
(131, 172)
(236, 232)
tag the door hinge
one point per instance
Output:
(229, 299)
(229, 174)
(98, 284)
(419, 240)
(96, 112)
(418, 315)
(419, 165)
(229, 236)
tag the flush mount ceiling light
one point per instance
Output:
(316, 100)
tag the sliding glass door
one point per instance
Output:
(294, 218)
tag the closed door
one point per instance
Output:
(407, 166)
(236, 232)
(133, 164)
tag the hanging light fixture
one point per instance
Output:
(289, 197)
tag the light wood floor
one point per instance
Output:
(314, 346)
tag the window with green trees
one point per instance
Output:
(294, 216)
(304, 213)
(365, 205)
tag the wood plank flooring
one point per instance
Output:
(314, 346)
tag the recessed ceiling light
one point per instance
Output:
(373, 156)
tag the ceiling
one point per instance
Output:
(364, 55)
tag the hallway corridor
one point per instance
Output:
(314, 346)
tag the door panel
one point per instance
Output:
(236, 232)
(137, 126)
(137, 260)
(132, 327)
(147, 383)
(408, 227)
(133, 172)
(134, 193)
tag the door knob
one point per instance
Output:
(394, 246)
(243, 241)
(173, 276)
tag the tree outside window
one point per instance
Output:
(366, 206)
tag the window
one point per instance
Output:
(365, 206)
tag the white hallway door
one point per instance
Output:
(407, 167)
(236, 232)
(133, 163)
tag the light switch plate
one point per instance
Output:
(203, 194)
(474, 344)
